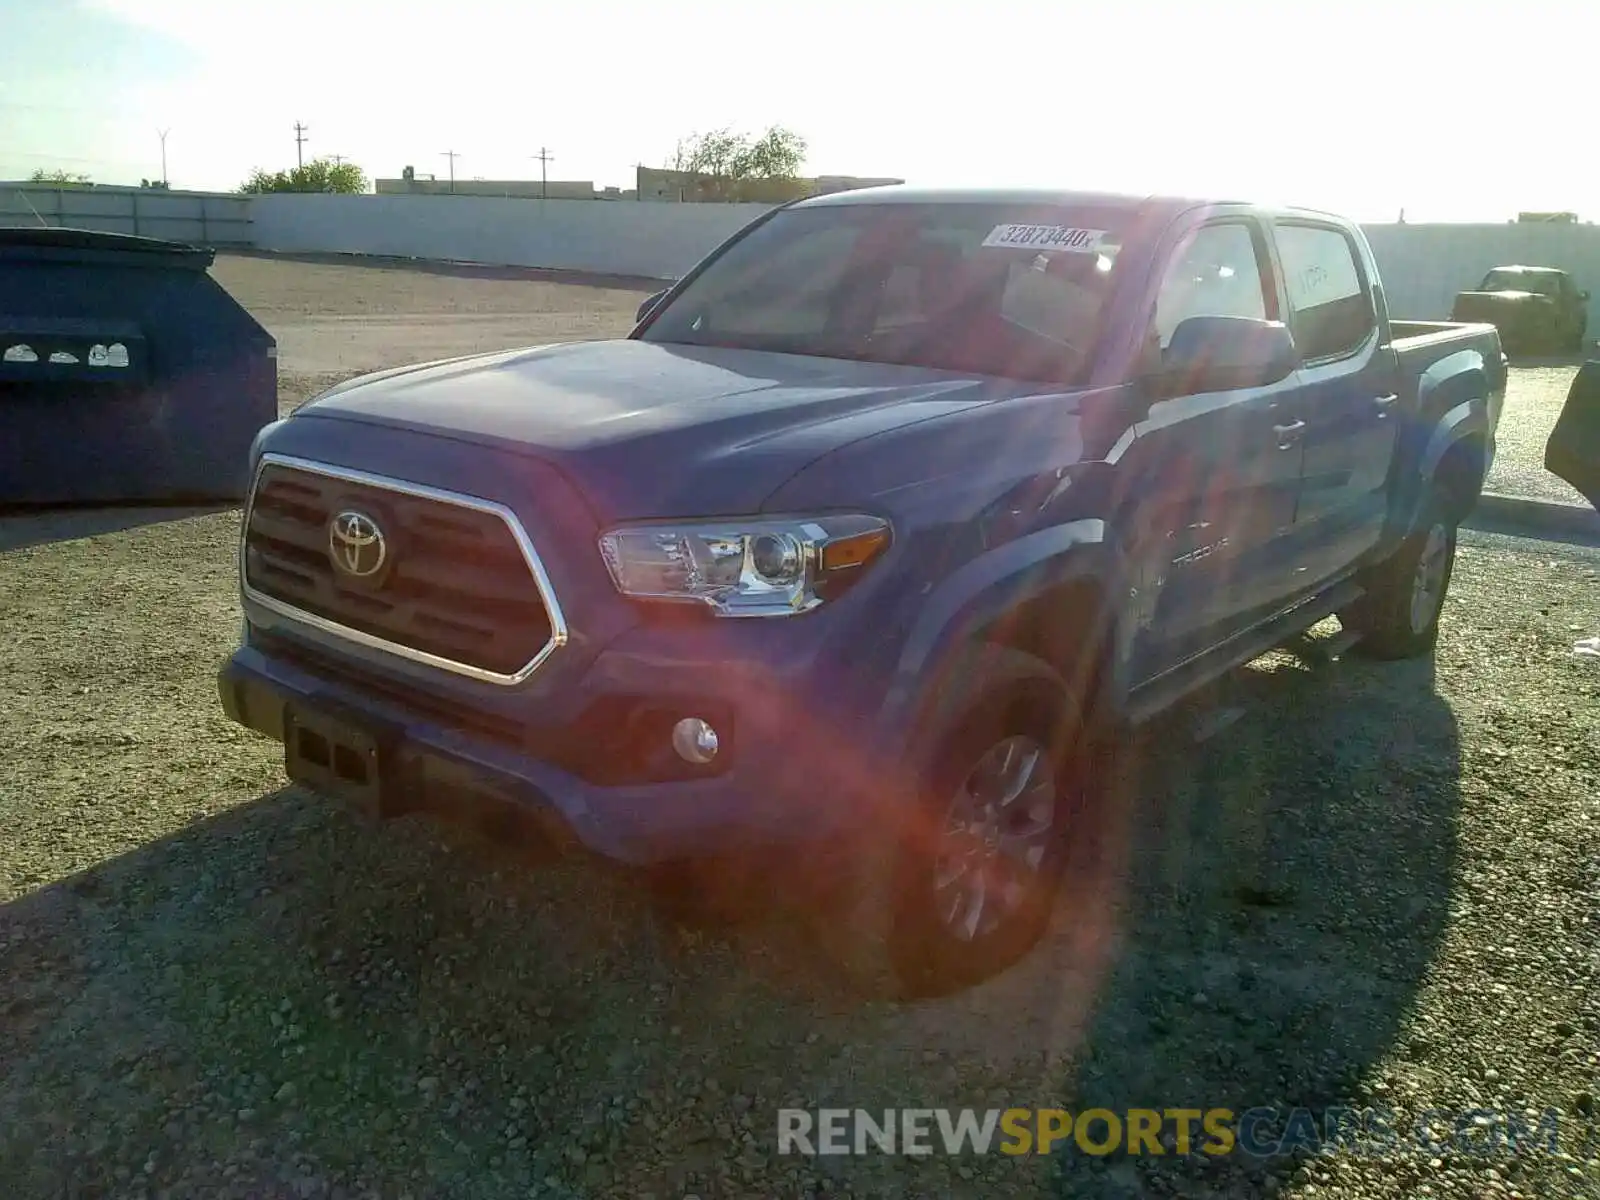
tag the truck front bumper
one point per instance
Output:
(764, 800)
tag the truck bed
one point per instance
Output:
(1418, 345)
(1411, 334)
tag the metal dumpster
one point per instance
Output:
(127, 374)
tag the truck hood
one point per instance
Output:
(651, 430)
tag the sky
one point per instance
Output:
(1452, 111)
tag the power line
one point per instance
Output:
(65, 158)
(300, 132)
(68, 158)
(452, 156)
(36, 106)
(543, 158)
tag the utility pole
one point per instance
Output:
(543, 157)
(338, 159)
(451, 155)
(163, 134)
(300, 132)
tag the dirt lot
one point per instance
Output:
(1378, 888)
(334, 318)
(1533, 402)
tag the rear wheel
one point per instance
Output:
(1399, 615)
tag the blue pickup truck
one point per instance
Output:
(847, 557)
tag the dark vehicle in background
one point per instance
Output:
(851, 557)
(1538, 310)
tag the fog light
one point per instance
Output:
(694, 740)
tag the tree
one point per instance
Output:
(155, 185)
(318, 175)
(777, 154)
(60, 178)
(732, 166)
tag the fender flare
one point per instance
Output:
(1460, 382)
(986, 588)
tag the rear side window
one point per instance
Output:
(1329, 309)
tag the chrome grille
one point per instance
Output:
(462, 587)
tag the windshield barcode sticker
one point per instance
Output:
(1045, 237)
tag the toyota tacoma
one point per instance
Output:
(877, 522)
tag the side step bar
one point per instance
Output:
(1164, 691)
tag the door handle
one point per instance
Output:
(1288, 434)
(1385, 402)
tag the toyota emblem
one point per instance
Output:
(356, 544)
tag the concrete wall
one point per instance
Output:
(1424, 266)
(658, 241)
(203, 218)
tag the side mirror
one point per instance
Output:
(649, 303)
(1216, 354)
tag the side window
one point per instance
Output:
(1216, 275)
(1329, 309)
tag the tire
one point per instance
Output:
(1398, 618)
(906, 928)
(704, 894)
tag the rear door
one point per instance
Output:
(1347, 399)
(1216, 482)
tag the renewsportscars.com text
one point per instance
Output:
(1257, 1132)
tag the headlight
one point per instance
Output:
(755, 567)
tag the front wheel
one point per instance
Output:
(1399, 615)
(962, 883)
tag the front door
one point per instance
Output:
(1217, 478)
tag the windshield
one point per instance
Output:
(980, 289)
(1519, 281)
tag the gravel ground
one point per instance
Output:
(1380, 883)
(1376, 888)
(1534, 396)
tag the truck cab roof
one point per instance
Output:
(1152, 205)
